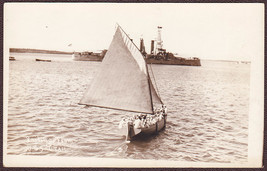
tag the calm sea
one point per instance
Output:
(207, 112)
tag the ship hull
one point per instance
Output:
(87, 58)
(42, 60)
(182, 61)
(133, 133)
(11, 58)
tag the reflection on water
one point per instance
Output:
(207, 112)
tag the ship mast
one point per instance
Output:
(159, 41)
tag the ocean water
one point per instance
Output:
(207, 112)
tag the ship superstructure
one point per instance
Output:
(158, 55)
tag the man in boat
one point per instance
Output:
(164, 109)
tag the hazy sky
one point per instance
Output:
(208, 31)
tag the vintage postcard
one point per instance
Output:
(133, 85)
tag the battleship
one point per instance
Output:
(158, 55)
(89, 56)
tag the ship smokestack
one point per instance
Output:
(142, 47)
(141, 44)
(152, 47)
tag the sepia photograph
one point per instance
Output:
(133, 85)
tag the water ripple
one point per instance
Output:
(207, 118)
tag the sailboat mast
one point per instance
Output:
(151, 99)
(148, 78)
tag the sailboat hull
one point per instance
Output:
(132, 132)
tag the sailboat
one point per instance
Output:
(124, 83)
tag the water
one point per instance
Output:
(207, 112)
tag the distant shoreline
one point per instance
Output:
(24, 50)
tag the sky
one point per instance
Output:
(208, 31)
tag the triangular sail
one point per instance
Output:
(154, 92)
(122, 82)
(155, 97)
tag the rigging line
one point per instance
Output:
(127, 36)
(152, 107)
(155, 81)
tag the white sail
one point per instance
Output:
(155, 97)
(122, 82)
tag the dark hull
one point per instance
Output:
(87, 58)
(178, 61)
(42, 60)
(133, 133)
(12, 58)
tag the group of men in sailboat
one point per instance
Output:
(145, 120)
(124, 83)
